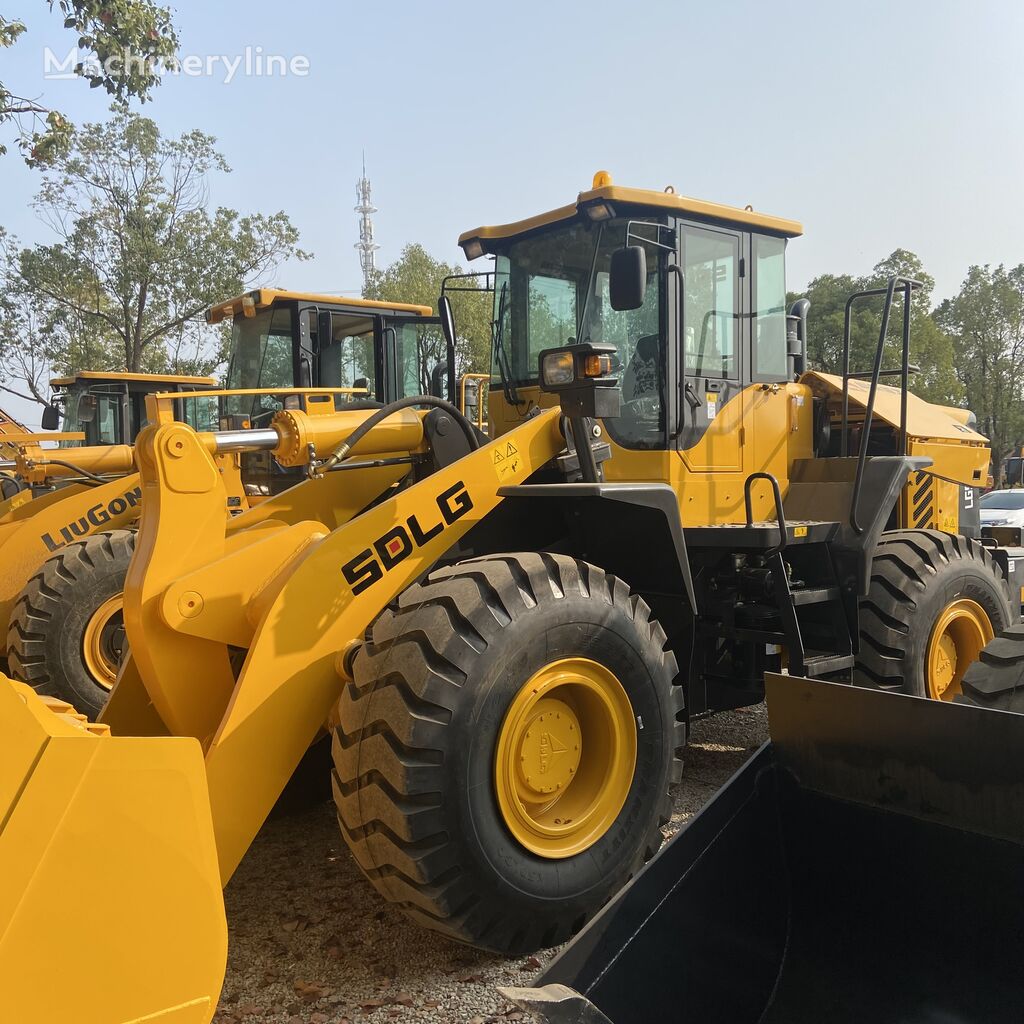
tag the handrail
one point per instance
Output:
(906, 285)
(780, 514)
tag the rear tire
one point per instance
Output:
(919, 578)
(996, 679)
(55, 633)
(415, 755)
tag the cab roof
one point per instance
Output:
(154, 378)
(618, 195)
(264, 297)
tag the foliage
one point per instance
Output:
(138, 256)
(931, 348)
(123, 44)
(986, 319)
(417, 277)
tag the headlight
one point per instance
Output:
(473, 248)
(557, 369)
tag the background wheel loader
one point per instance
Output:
(65, 556)
(59, 580)
(507, 635)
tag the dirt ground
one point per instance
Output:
(311, 942)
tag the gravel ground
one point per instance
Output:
(311, 942)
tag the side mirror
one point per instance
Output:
(447, 317)
(444, 311)
(627, 282)
(324, 330)
(50, 418)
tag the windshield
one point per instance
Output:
(552, 289)
(261, 357)
(1007, 500)
(96, 412)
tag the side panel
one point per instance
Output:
(774, 428)
(51, 525)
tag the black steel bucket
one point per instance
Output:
(865, 867)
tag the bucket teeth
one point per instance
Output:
(66, 713)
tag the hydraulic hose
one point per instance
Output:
(74, 469)
(370, 422)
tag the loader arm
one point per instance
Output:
(296, 594)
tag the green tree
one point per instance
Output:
(417, 277)
(986, 320)
(931, 349)
(122, 46)
(138, 256)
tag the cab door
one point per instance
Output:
(411, 350)
(711, 363)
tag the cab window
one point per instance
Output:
(553, 288)
(347, 358)
(710, 310)
(200, 412)
(769, 307)
(105, 426)
(262, 357)
(418, 348)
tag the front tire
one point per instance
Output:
(935, 600)
(66, 632)
(482, 667)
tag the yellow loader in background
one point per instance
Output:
(63, 557)
(510, 634)
(60, 581)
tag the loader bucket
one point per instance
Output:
(865, 865)
(110, 900)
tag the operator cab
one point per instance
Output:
(379, 351)
(110, 408)
(708, 317)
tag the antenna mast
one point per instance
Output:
(366, 245)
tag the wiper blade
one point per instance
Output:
(581, 322)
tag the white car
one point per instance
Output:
(1003, 508)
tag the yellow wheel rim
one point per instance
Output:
(101, 641)
(565, 757)
(961, 631)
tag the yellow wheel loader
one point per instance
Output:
(65, 554)
(64, 537)
(508, 636)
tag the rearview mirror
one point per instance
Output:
(627, 280)
(51, 417)
(444, 311)
(447, 317)
(324, 330)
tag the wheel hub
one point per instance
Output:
(959, 634)
(549, 749)
(565, 757)
(103, 641)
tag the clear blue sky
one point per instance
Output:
(876, 124)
